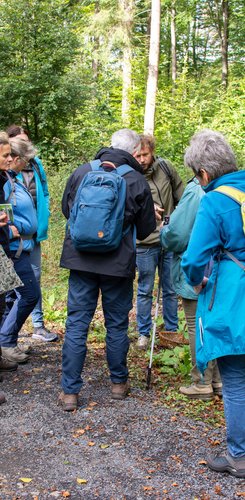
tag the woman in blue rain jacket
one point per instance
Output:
(19, 302)
(220, 317)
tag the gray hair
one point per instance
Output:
(127, 140)
(24, 149)
(210, 151)
(4, 138)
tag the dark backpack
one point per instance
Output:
(97, 216)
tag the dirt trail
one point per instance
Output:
(134, 449)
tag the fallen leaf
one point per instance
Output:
(173, 419)
(240, 493)
(175, 484)
(91, 443)
(78, 432)
(217, 489)
(81, 481)
(26, 392)
(202, 462)
(65, 494)
(147, 488)
(25, 479)
(103, 446)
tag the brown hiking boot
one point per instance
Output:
(14, 354)
(2, 397)
(69, 402)
(198, 391)
(120, 391)
(217, 388)
(7, 366)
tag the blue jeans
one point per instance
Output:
(147, 261)
(19, 302)
(117, 295)
(37, 313)
(232, 372)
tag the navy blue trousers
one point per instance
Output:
(19, 302)
(117, 295)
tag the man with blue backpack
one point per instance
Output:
(107, 204)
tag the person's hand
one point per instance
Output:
(158, 212)
(3, 219)
(15, 232)
(199, 288)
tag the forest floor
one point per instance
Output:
(143, 447)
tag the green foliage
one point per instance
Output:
(174, 361)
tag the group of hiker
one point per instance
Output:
(127, 209)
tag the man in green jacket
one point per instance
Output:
(166, 189)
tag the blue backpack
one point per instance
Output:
(97, 216)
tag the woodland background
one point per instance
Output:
(73, 72)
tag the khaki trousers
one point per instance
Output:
(211, 374)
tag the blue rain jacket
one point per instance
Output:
(43, 212)
(25, 218)
(220, 320)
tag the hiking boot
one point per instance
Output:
(69, 402)
(7, 366)
(2, 397)
(226, 463)
(217, 388)
(42, 333)
(143, 342)
(14, 354)
(27, 349)
(120, 391)
(195, 391)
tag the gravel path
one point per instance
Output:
(135, 449)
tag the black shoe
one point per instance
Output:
(226, 463)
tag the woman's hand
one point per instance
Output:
(15, 231)
(3, 219)
(199, 288)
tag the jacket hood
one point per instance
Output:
(234, 179)
(118, 157)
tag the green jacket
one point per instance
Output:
(165, 192)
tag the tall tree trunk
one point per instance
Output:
(151, 90)
(127, 7)
(96, 44)
(224, 42)
(173, 43)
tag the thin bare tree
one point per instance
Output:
(152, 80)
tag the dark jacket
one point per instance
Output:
(4, 231)
(139, 211)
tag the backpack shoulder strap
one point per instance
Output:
(95, 164)
(12, 194)
(236, 195)
(168, 172)
(233, 193)
(165, 168)
(124, 169)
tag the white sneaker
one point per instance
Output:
(143, 342)
(42, 333)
